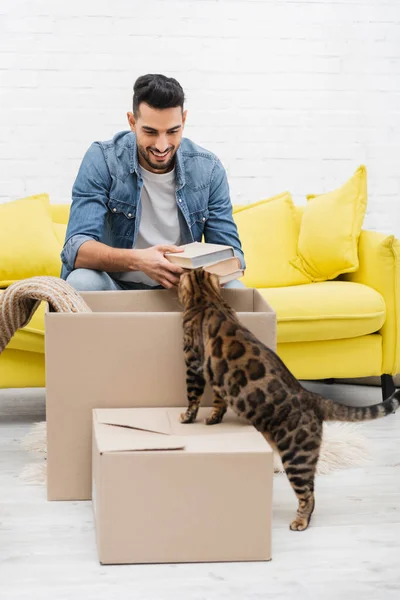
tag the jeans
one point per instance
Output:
(88, 280)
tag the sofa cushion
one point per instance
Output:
(60, 229)
(28, 244)
(330, 230)
(60, 213)
(237, 208)
(30, 337)
(328, 310)
(268, 231)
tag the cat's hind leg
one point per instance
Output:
(299, 453)
(218, 410)
(195, 384)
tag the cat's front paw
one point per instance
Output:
(214, 419)
(300, 524)
(187, 417)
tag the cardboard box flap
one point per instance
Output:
(143, 419)
(113, 438)
(125, 430)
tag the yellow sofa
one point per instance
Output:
(345, 328)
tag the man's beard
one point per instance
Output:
(159, 166)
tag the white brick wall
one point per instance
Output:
(290, 94)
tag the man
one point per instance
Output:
(143, 193)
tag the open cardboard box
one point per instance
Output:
(167, 492)
(127, 353)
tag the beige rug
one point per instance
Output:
(343, 447)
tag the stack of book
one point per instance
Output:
(214, 258)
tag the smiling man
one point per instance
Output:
(143, 193)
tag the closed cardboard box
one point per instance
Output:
(127, 353)
(167, 492)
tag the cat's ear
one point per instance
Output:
(183, 287)
(214, 282)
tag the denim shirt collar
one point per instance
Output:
(134, 162)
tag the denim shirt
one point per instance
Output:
(106, 203)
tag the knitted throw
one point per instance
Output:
(20, 300)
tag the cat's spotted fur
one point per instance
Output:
(248, 376)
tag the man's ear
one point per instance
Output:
(131, 121)
(184, 115)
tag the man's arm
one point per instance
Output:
(220, 228)
(88, 209)
(83, 249)
(98, 256)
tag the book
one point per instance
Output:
(199, 254)
(230, 276)
(222, 267)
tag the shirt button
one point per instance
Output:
(179, 199)
(129, 214)
(204, 218)
(114, 210)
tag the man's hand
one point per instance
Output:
(153, 263)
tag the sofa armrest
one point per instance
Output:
(379, 268)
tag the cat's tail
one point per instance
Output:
(338, 412)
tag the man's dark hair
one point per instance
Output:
(158, 91)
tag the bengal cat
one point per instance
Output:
(250, 378)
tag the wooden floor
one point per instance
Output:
(351, 551)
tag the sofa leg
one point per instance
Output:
(388, 387)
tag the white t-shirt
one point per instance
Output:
(159, 223)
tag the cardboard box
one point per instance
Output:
(167, 492)
(127, 353)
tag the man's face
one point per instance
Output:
(158, 136)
